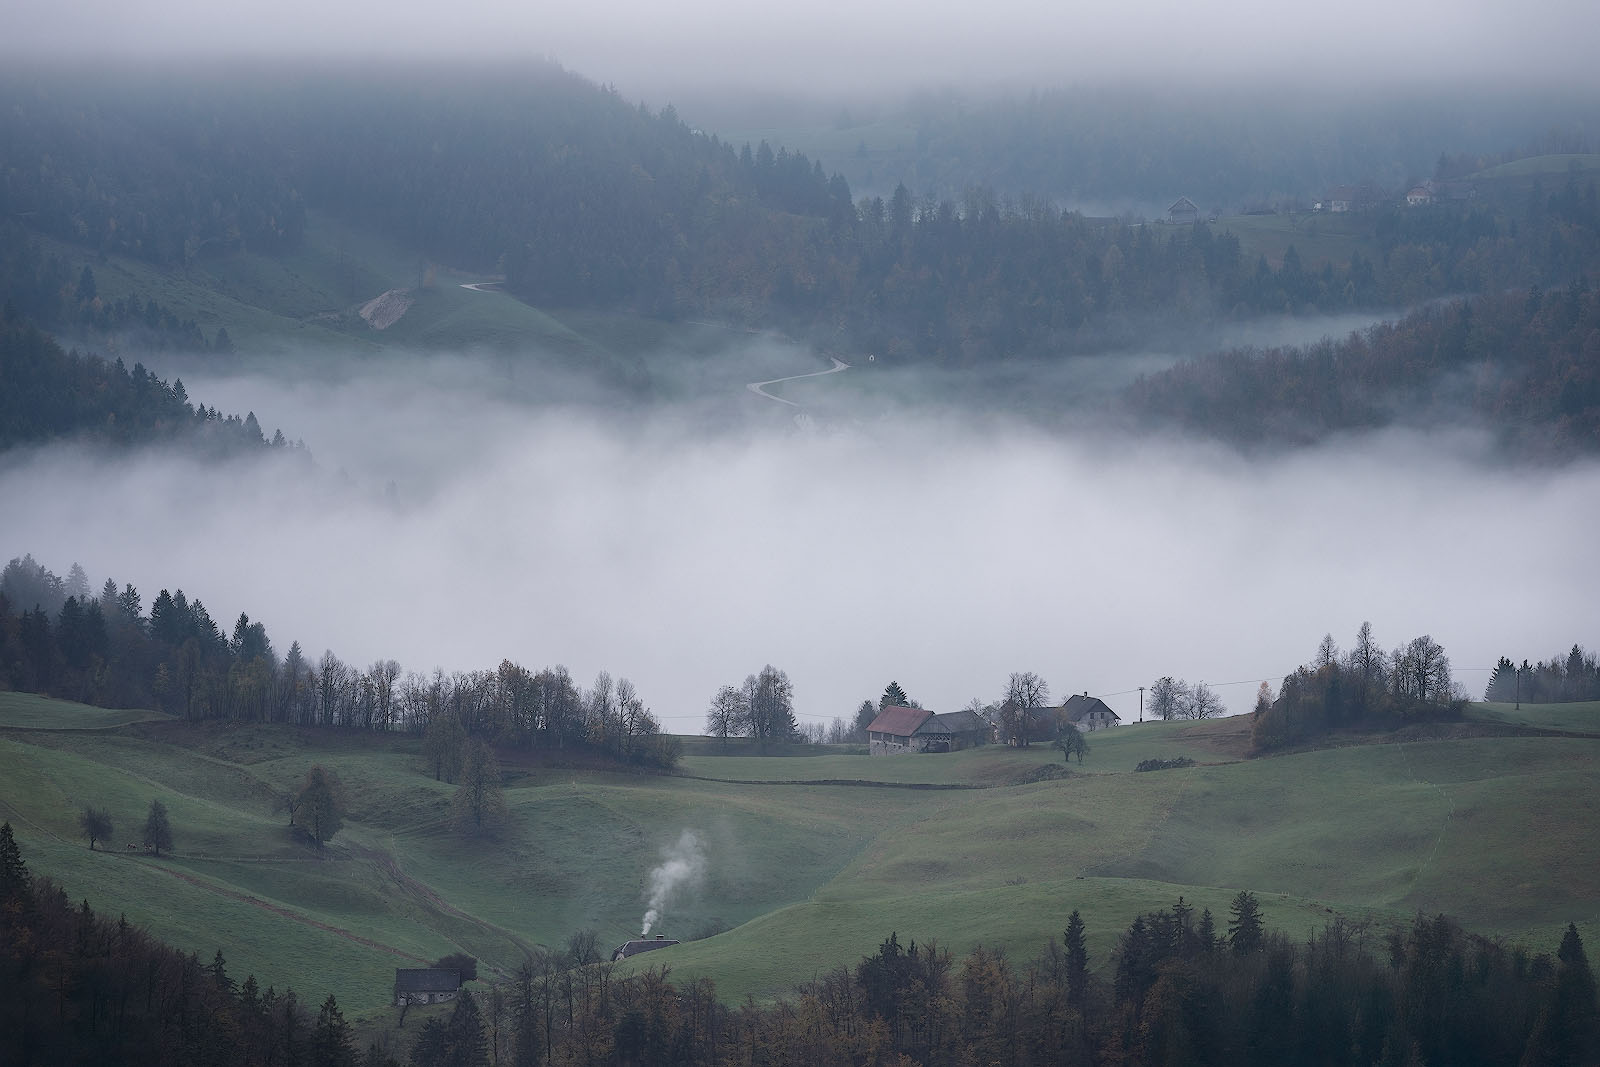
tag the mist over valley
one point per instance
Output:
(714, 536)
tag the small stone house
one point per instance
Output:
(1183, 210)
(425, 985)
(1089, 713)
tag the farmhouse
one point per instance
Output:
(1422, 194)
(425, 985)
(1341, 198)
(641, 944)
(1183, 210)
(1089, 713)
(898, 729)
(891, 732)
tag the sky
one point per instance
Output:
(940, 550)
(828, 47)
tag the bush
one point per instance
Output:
(1164, 764)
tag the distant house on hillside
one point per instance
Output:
(1422, 194)
(897, 730)
(425, 985)
(1341, 198)
(1183, 210)
(891, 732)
(1089, 713)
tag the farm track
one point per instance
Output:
(860, 782)
(425, 897)
(280, 910)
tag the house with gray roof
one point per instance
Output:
(1088, 713)
(425, 985)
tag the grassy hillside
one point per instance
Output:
(801, 876)
(312, 298)
(1579, 716)
(1581, 164)
(1317, 238)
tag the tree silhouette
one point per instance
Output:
(157, 830)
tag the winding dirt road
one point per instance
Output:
(760, 388)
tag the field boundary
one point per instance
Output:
(858, 782)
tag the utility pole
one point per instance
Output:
(1141, 703)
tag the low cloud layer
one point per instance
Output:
(941, 551)
(831, 46)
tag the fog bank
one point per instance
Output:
(836, 46)
(941, 551)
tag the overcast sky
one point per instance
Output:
(831, 46)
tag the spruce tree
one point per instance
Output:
(15, 882)
(1077, 961)
(1244, 929)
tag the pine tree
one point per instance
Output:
(1244, 929)
(893, 697)
(330, 1043)
(1206, 932)
(15, 882)
(1077, 961)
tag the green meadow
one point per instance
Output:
(810, 862)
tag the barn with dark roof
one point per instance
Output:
(951, 732)
(425, 985)
(897, 730)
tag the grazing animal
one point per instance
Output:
(133, 848)
(149, 848)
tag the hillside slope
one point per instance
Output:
(799, 877)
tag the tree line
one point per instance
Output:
(1575, 676)
(53, 393)
(1365, 687)
(1526, 364)
(41, 287)
(103, 650)
(77, 987)
(1179, 988)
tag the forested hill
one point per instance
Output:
(50, 393)
(582, 198)
(1526, 365)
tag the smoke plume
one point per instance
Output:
(683, 866)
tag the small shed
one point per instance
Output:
(425, 985)
(1183, 210)
(1089, 713)
(891, 732)
(641, 944)
(1340, 199)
